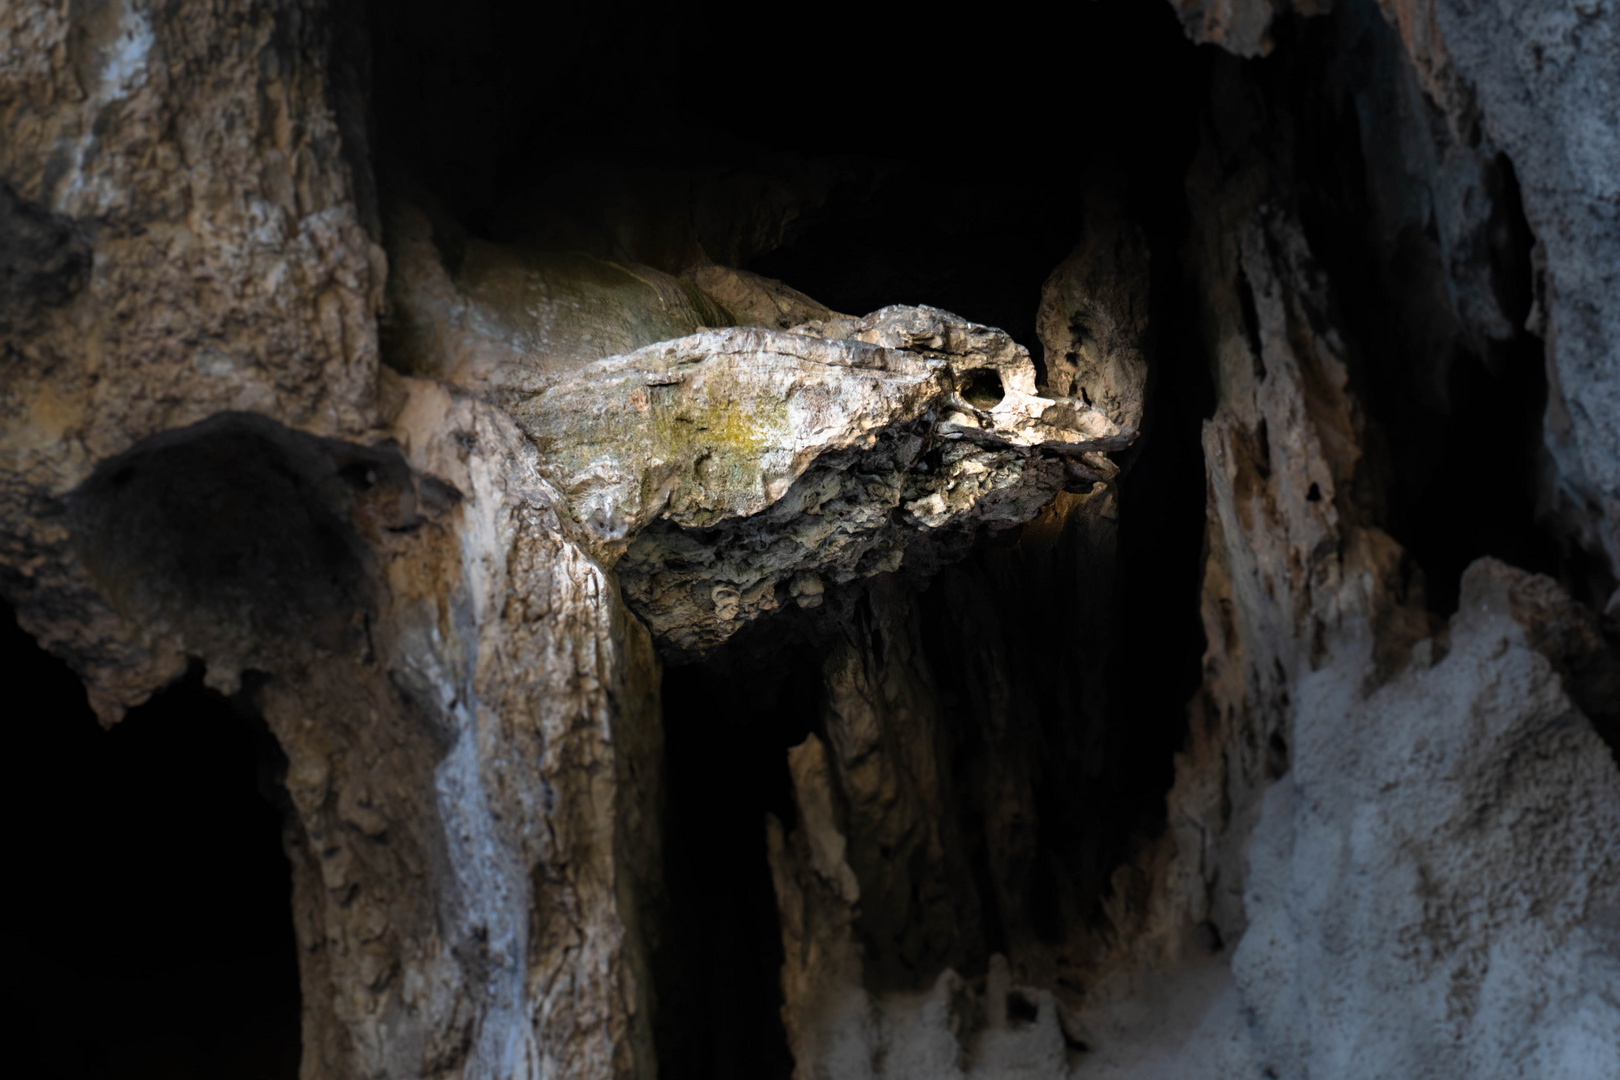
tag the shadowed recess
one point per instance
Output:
(159, 945)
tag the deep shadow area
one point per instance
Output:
(151, 932)
(235, 519)
(1455, 433)
(719, 957)
(913, 160)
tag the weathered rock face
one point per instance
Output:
(407, 575)
(1450, 848)
(444, 488)
(202, 459)
(1242, 27)
(1534, 82)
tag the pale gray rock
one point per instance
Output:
(1410, 847)
(1546, 77)
(1434, 887)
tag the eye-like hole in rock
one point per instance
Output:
(1022, 1008)
(982, 388)
(151, 932)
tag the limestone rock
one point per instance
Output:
(728, 472)
(501, 318)
(1542, 76)
(200, 459)
(1433, 884)
(753, 300)
(441, 535)
(714, 471)
(1092, 321)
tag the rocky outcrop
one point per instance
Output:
(927, 928)
(1289, 828)
(1093, 319)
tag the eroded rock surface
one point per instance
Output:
(1242, 27)
(1431, 885)
(440, 512)
(778, 464)
(407, 575)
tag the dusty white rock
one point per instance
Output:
(1433, 887)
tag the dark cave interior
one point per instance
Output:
(904, 187)
(155, 938)
(168, 888)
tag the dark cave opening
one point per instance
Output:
(726, 737)
(151, 936)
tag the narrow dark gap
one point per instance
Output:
(151, 936)
(1101, 743)
(1456, 415)
(718, 964)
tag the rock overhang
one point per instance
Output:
(731, 472)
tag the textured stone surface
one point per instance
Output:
(201, 459)
(502, 318)
(1093, 318)
(405, 571)
(909, 434)
(439, 532)
(1543, 77)
(753, 300)
(1433, 887)
(908, 860)
(1375, 935)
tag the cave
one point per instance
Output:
(877, 226)
(837, 545)
(163, 898)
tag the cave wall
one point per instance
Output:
(205, 460)
(1209, 672)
